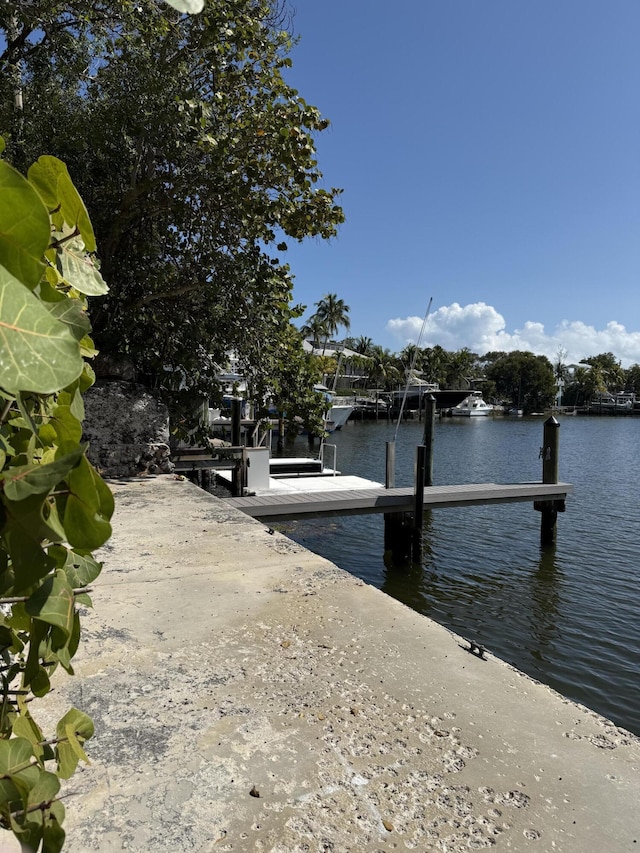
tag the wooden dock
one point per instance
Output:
(280, 507)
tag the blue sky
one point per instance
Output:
(489, 152)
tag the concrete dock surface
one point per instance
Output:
(248, 695)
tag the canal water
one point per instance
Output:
(567, 616)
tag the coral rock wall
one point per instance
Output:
(127, 430)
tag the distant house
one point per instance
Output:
(351, 371)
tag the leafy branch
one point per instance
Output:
(54, 507)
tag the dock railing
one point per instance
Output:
(334, 452)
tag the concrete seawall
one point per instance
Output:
(248, 695)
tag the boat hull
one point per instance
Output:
(337, 416)
(471, 413)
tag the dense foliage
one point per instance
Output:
(196, 161)
(526, 381)
(519, 379)
(54, 508)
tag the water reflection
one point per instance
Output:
(545, 587)
(406, 582)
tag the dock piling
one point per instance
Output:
(236, 421)
(418, 503)
(549, 509)
(390, 470)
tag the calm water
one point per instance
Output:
(566, 616)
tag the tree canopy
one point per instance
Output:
(526, 380)
(196, 161)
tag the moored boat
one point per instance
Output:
(472, 406)
(337, 414)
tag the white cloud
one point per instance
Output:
(481, 328)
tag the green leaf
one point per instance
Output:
(71, 312)
(53, 603)
(24, 227)
(81, 569)
(192, 7)
(15, 756)
(23, 532)
(74, 743)
(27, 480)
(40, 684)
(88, 508)
(68, 428)
(78, 269)
(38, 633)
(78, 727)
(53, 834)
(87, 378)
(46, 788)
(25, 726)
(37, 352)
(51, 178)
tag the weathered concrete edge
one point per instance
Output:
(397, 669)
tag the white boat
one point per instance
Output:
(611, 403)
(337, 413)
(337, 416)
(472, 406)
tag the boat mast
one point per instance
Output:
(411, 366)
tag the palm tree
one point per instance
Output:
(412, 357)
(315, 329)
(461, 368)
(333, 313)
(383, 368)
(435, 361)
(363, 346)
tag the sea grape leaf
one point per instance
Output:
(52, 180)
(87, 378)
(81, 569)
(71, 312)
(37, 352)
(40, 684)
(88, 508)
(46, 788)
(24, 480)
(24, 227)
(77, 727)
(25, 726)
(15, 755)
(68, 428)
(30, 563)
(38, 634)
(53, 602)
(78, 268)
(53, 835)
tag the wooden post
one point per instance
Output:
(549, 451)
(418, 503)
(390, 473)
(397, 525)
(429, 435)
(236, 421)
(237, 485)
